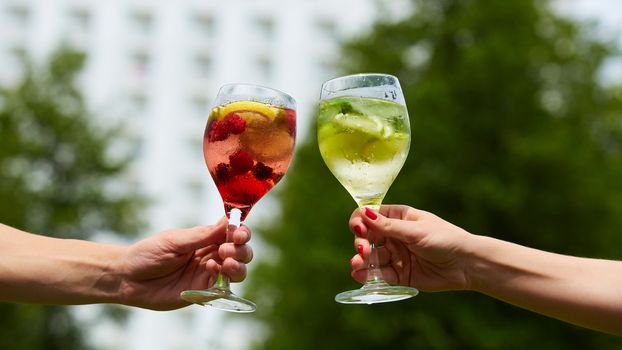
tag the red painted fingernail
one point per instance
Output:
(370, 214)
(359, 248)
(357, 230)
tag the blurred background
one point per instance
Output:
(516, 111)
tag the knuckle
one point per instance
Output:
(387, 225)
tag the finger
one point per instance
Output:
(207, 251)
(242, 253)
(212, 267)
(403, 212)
(356, 213)
(234, 269)
(188, 240)
(357, 225)
(399, 260)
(358, 263)
(363, 247)
(359, 275)
(241, 235)
(382, 226)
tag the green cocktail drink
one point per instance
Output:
(364, 143)
(364, 138)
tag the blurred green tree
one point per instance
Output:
(57, 178)
(513, 136)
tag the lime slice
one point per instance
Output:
(248, 106)
(343, 145)
(377, 107)
(327, 130)
(382, 149)
(370, 125)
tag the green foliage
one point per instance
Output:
(513, 137)
(56, 178)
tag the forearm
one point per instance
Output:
(39, 269)
(586, 292)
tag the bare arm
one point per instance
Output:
(149, 273)
(424, 251)
(39, 269)
(582, 291)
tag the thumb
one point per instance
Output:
(379, 225)
(198, 237)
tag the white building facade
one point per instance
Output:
(155, 66)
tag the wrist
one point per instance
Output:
(84, 272)
(477, 262)
(108, 281)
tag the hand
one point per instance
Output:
(420, 249)
(156, 269)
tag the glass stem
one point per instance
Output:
(222, 280)
(374, 275)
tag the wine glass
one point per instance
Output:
(248, 145)
(364, 137)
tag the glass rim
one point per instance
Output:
(356, 75)
(280, 98)
(381, 86)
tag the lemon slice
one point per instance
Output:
(248, 106)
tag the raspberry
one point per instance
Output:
(291, 121)
(217, 131)
(243, 190)
(234, 123)
(276, 177)
(262, 171)
(222, 172)
(241, 162)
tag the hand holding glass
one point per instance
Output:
(364, 138)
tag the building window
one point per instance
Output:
(199, 106)
(78, 25)
(19, 13)
(326, 27)
(196, 146)
(194, 188)
(326, 68)
(141, 62)
(264, 66)
(142, 21)
(138, 103)
(19, 55)
(137, 148)
(265, 27)
(80, 19)
(203, 65)
(204, 24)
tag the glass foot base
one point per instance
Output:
(219, 299)
(376, 293)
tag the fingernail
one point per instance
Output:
(370, 214)
(357, 230)
(359, 249)
(352, 262)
